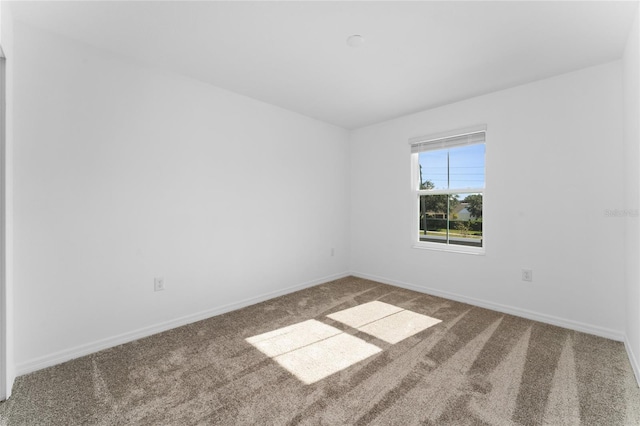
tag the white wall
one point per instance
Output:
(6, 309)
(123, 173)
(554, 165)
(631, 77)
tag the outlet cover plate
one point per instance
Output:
(158, 284)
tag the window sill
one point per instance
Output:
(478, 251)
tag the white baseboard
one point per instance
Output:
(633, 360)
(89, 348)
(524, 313)
(82, 350)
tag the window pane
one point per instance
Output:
(465, 226)
(451, 219)
(434, 217)
(466, 167)
(433, 169)
(452, 168)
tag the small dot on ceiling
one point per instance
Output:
(355, 40)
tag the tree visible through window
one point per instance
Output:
(450, 188)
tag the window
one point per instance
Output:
(448, 174)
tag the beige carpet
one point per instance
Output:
(349, 352)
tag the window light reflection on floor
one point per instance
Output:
(312, 350)
(384, 321)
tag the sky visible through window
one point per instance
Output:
(465, 169)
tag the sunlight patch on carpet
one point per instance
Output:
(326, 357)
(399, 326)
(364, 314)
(290, 338)
(311, 350)
(384, 321)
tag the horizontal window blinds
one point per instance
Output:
(424, 144)
(460, 137)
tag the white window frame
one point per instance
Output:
(438, 141)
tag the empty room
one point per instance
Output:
(319, 213)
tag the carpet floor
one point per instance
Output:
(348, 352)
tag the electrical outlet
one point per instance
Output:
(158, 284)
(527, 275)
(333, 252)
